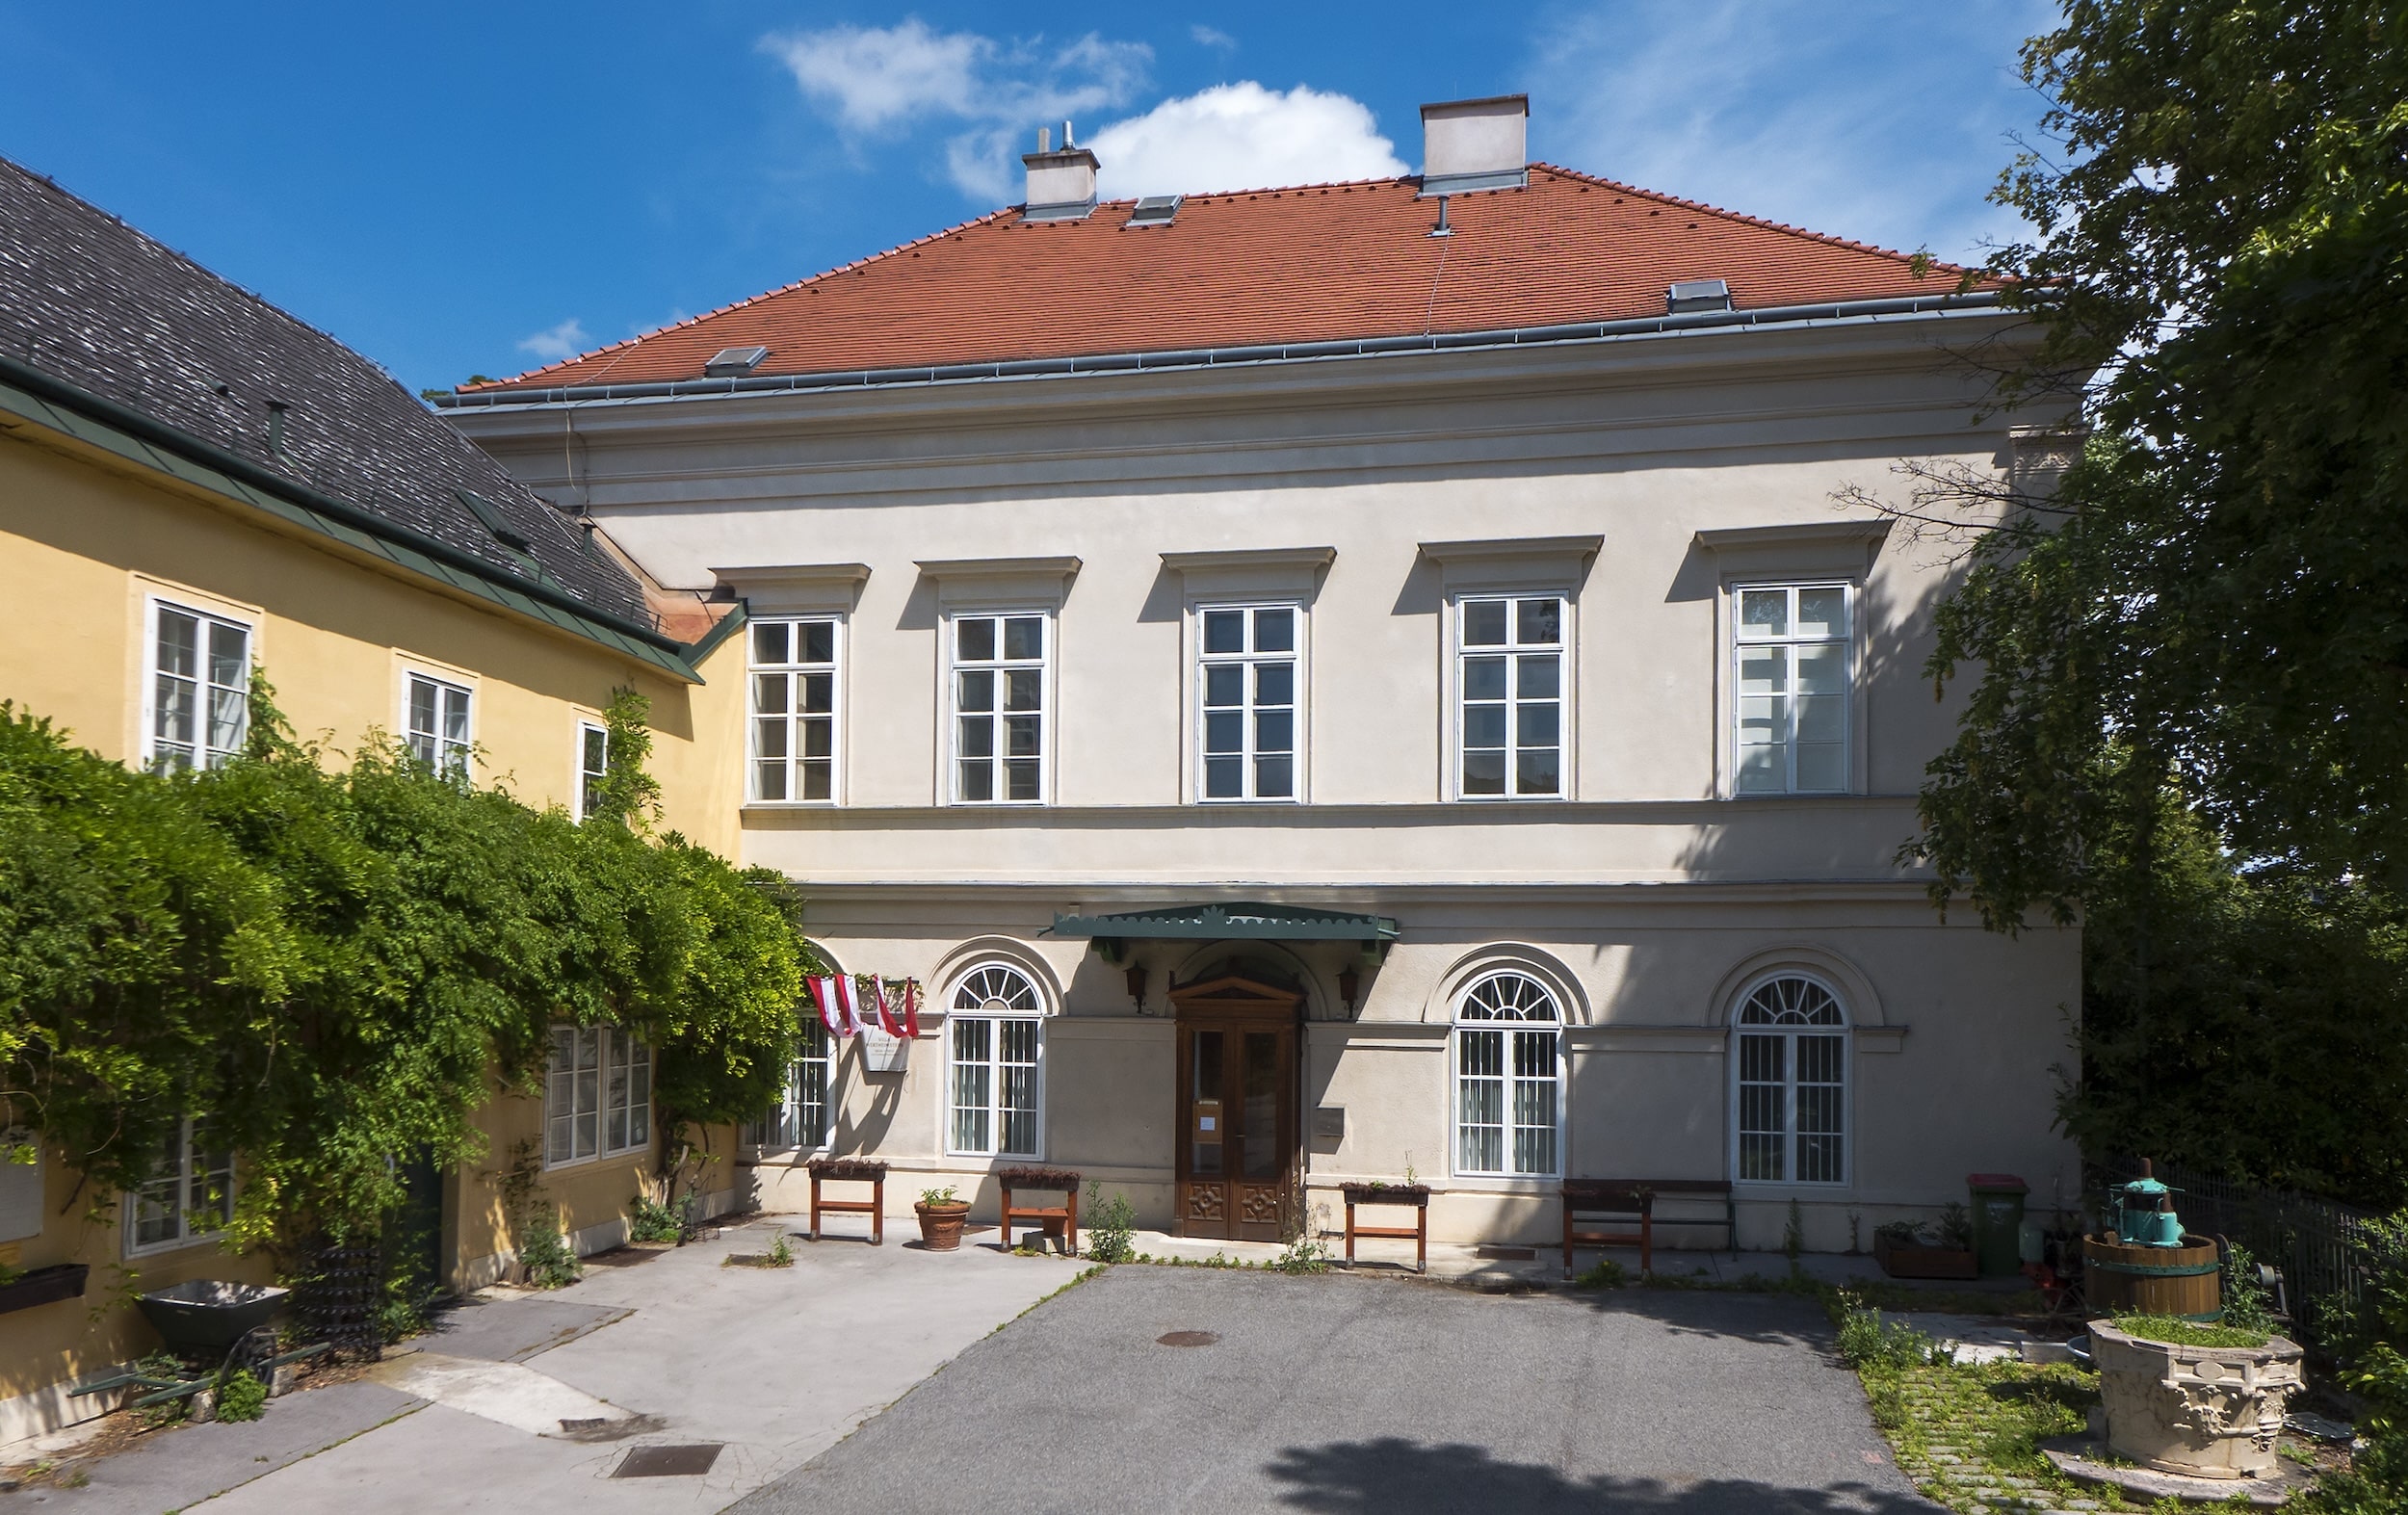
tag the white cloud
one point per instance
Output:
(1242, 136)
(876, 79)
(1876, 122)
(565, 340)
(1212, 36)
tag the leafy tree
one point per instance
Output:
(339, 964)
(2188, 726)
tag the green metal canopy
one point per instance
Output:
(1229, 921)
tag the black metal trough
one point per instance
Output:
(205, 1316)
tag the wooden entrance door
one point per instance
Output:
(1239, 1163)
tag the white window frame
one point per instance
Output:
(794, 672)
(1249, 711)
(1790, 1035)
(1459, 653)
(972, 992)
(583, 777)
(1469, 1023)
(1048, 717)
(447, 756)
(1741, 643)
(783, 1129)
(189, 1171)
(615, 1050)
(208, 754)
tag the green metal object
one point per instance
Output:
(2143, 1214)
(1998, 1220)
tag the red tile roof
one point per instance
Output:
(1322, 262)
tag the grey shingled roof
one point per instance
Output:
(91, 301)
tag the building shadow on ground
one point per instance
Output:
(1744, 1314)
(1390, 1476)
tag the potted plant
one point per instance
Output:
(1905, 1249)
(941, 1218)
(2199, 1399)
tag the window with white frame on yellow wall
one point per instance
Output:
(597, 1095)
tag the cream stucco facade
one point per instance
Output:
(1635, 483)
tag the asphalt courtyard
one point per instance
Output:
(1158, 1389)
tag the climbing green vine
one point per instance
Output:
(338, 963)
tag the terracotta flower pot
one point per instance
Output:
(940, 1225)
(2211, 1412)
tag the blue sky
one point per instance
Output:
(457, 190)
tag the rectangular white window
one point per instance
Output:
(1507, 1089)
(1790, 715)
(1793, 1089)
(597, 1094)
(594, 765)
(999, 694)
(801, 1117)
(994, 1088)
(189, 1197)
(1248, 723)
(199, 688)
(793, 710)
(436, 717)
(1509, 682)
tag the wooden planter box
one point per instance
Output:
(1925, 1262)
(41, 1286)
(1414, 1194)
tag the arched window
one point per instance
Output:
(1791, 1067)
(1509, 1079)
(992, 1049)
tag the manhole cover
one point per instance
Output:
(1187, 1339)
(688, 1460)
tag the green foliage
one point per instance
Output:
(782, 1252)
(1794, 1235)
(1956, 1227)
(545, 1253)
(241, 1397)
(2186, 717)
(2247, 1304)
(1605, 1273)
(939, 1197)
(2176, 1331)
(2223, 240)
(650, 1221)
(334, 963)
(2375, 1361)
(2207, 990)
(1304, 1254)
(1110, 1225)
(1867, 1341)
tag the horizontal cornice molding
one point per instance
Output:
(1513, 549)
(943, 569)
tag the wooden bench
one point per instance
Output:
(1635, 1199)
(851, 1171)
(1063, 1216)
(1412, 1197)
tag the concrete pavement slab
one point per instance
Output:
(776, 1364)
(507, 1393)
(510, 1328)
(171, 1470)
(1348, 1394)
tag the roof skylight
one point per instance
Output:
(734, 362)
(1697, 294)
(1154, 210)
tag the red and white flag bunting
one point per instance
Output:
(839, 999)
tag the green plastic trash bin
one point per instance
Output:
(1998, 1217)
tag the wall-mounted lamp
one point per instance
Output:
(1136, 986)
(1349, 985)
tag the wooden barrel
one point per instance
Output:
(2120, 1277)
